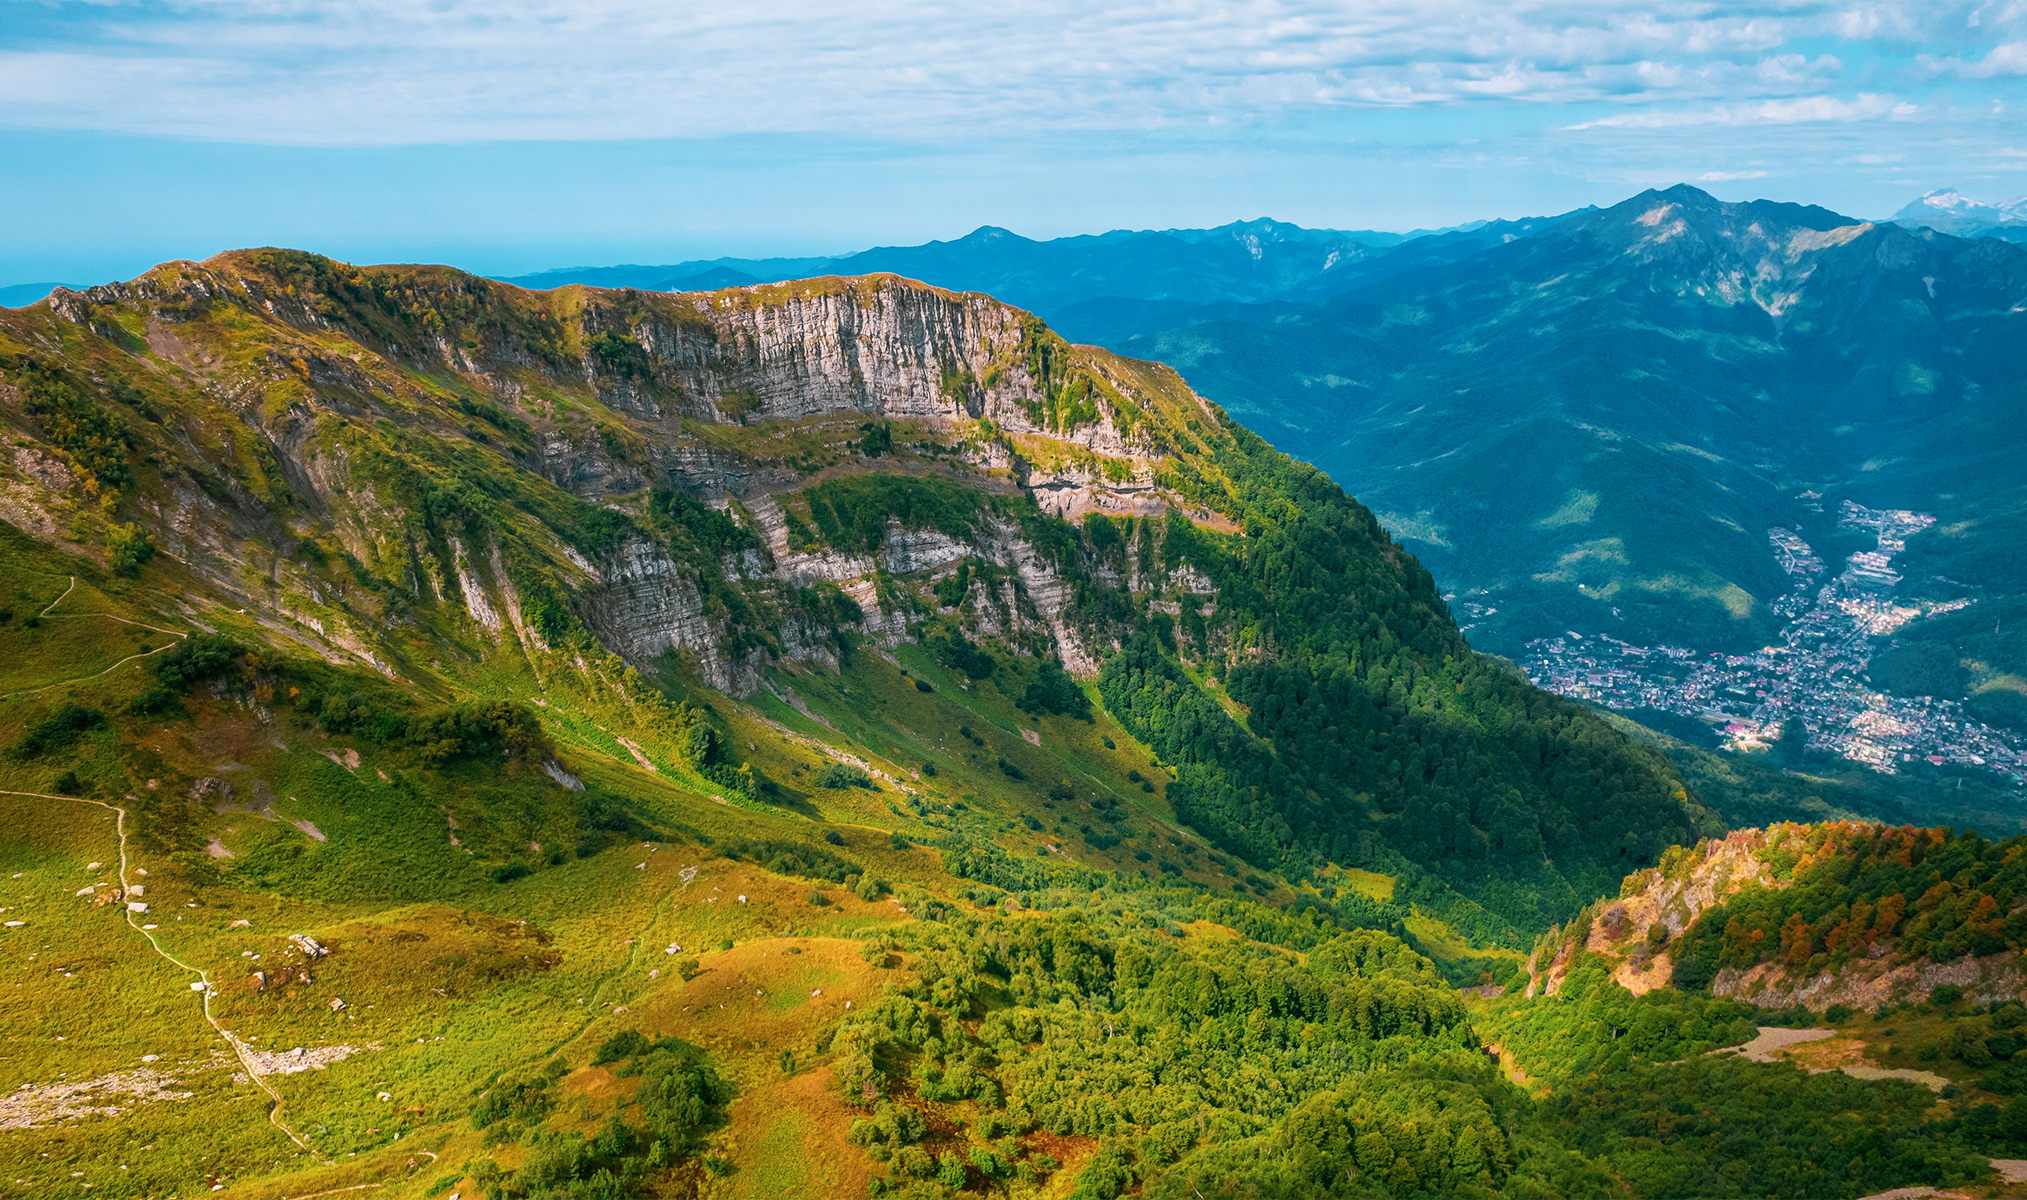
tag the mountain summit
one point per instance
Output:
(1947, 210)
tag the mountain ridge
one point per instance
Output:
(1725, 340)
(760, 479)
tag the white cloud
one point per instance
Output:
(1802, 110)
(1728, 176)
(396, 71)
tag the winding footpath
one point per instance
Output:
(175, 633)
(203, 977)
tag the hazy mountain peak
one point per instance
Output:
(1946, 210)
(987, 234)
(1948, 200)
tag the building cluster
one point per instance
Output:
(1815, 673)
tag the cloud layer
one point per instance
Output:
(304, 72)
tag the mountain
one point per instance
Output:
(14, 295)
(1949, 211)
(836, 738)
(1596, 426)
(625, 740)
(1095, 287)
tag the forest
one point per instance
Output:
(1849, 887)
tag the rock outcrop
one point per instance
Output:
(424, 425)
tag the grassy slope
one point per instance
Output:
(451, 978)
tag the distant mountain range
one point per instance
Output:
(17, 295)
(1595, 426)
(1586, 420)
(1099, 287)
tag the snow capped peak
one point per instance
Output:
(1950, 205)
(1949, 199)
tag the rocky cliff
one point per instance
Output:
(1813, 915)
(462, 447)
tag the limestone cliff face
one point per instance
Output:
(277, 430)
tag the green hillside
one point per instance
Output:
(823, 739)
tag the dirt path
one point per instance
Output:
(238, 1048)
(1773, 1039)
(1773, 1042)
(109, 670)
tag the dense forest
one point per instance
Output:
(1326, 1061)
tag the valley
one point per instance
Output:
(1815, 676)
(840, 738)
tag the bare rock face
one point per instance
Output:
(1869, 983)
(882, 348)
(440, 500)
(1719, 869)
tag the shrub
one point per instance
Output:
(1053, 691)
(128, 547)
(510, 872)
(839, 776)
(58, 730)
(833, 837)
(152, 700)
(67, 784)
(1010, 771)
(196, 658)
(793, 858)
(624, 1044)
(922, 685)
(1948, 993)
(478, 729)
(958, 653)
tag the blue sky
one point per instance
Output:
(512, 135)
